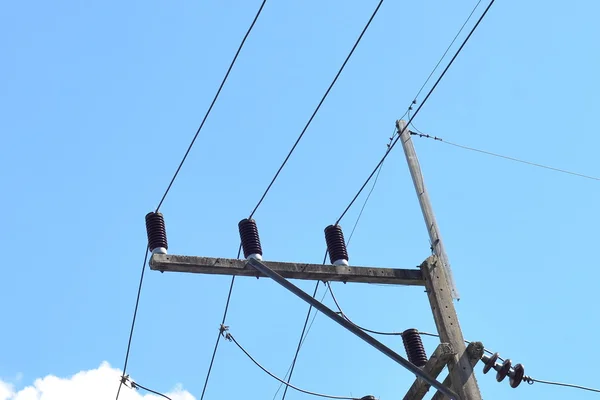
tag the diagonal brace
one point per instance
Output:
(474, 353)
(434, 367)
(259, 266)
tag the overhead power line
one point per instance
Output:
(408, 111)
(135, 385)
(230, 337)
(233, 61)
(465, 41)
(570, 385)
(135, 310)
(187, 152)
(302, 340)
(317, 108)
(390, 146)
(489, 153)
(283, 165)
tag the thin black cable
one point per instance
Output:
(316, 109)
(212, 359)
(446, 52)
(418, 109)
(135, 385)
(289, 378)
(230, 337)
(353, 323)
(312, 321)
(237, 53)
(362, 209)
(564, 171)
(135, 310)
(302, 337)
(531, 380)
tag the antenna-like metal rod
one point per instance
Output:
(262, 268)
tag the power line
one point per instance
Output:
(212, 359)
(445, 52)
(302, 340)
(352, 322)
(135, 310)
(237, 53)
(317, 108)
(564, 171)
(289, 378)
(362, 209)
(230, 337)
(135, 385)
(175, 176)
(465, 41)
(390, 146)
(532, 380)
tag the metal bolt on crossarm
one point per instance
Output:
(157, 234)
(414, 347)
(336, 246)
(250, 239)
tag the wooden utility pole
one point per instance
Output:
(439, 283)
(435, 238)
(434, 273)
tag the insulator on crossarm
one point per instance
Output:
(336, 246)
(414, 347)
(250, 239)
(157, 234)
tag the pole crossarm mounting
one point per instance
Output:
(435, 365)
(259, 266)
(333, 273)
(474, 353)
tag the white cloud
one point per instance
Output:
(95, 384)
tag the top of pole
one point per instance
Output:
(435, 238)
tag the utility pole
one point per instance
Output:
(433, 274)
(435, 238)
(439, 283)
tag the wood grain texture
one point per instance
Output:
(226, 266)
(446, 321)
(436, 363)
(474, 353)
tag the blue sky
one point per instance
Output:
(99, 100)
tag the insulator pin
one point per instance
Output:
(157, 234)
(250, 239)
(414, 347)
(336, 246)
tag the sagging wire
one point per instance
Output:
(134, 385)
(227, 335)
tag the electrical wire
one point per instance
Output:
(445, 52)
(532, 380)
(212, 359)
(301, 344)
(135, 310)
(187, 152)
(135, 385)
(362, 209)
(429, 93)
(353, 323)
(289, 378)
(317, 108)
(230, 337)
(564, 171)
(237, 53)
